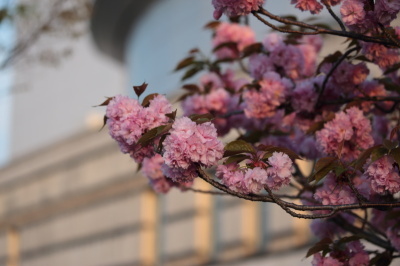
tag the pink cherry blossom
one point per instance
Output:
(263, 103)
(352, 12)
(234, 8)
(232, 32)
(308, 5)
(332, 193)
(352, 129)
(318, 260)
(189, 143)
(280, 170)
(384, 176)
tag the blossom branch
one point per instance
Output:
(320, 30)
(332, 208)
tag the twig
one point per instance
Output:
(368, 99)
(318, 29)
(281, 29)
(334, 67)
(332, 208)
(328, 7)
(207, 192)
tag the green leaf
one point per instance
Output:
(191, 88)
(184, 63)
(332, 58)
(202, 118)
(271, 149)
(192, 71)
(359, 163)
(146, 101)
(236, 158)
(237, 147)
(320, 246)
(323, 167)
(347, 239)
(153, 133)
(390, 144)
(395, 153)
(391, 69)
(339, 170)
(230, 45)
(378, 153)
(381, 259)
(252, 49)
(389, 84)
(392, 215)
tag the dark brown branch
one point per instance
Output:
(365, 99)
(282, 204)
(319, 30)
(365, 235)
(207, 192)
(330, 73)
(328, 7)
(332, 208)
(281, 29)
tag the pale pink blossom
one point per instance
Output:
(232, 32)
(127, 121)
(280, 171)
(273, 41)
(179, 174)
(231, 176)
(350, 130)
(384, 57)
(259, 64)
(318, 260)
(189, 143)
(308, 5)
(254, 180)
(332, 193)
(263, 103)
(304, 96)
(352, 12)
(357, 254)
(384, 176)
(151, 168)
(386, 11)
(291, 59)
(234, 8)
(314, 40)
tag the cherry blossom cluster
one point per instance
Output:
(275, 173)
(279, 101)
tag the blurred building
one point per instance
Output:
(69, 197)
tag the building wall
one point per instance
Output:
(87, 206)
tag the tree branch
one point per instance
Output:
(318, 29)
(332, 208)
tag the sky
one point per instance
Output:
(6, 41)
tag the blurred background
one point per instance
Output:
(67, 195)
